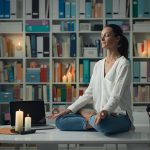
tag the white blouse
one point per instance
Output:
(110, 92)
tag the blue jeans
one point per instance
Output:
(109, 125)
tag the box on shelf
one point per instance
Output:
(90, 52)
(6, 96)
(85, 26)
(33, 75)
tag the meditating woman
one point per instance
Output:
(108, 90)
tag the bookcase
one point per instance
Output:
(48, 48)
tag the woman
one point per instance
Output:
(109, 90)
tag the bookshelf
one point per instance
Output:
(45, 51)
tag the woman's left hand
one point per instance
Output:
(100, 116)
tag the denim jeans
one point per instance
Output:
(109, 125)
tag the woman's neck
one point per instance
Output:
(112, 56)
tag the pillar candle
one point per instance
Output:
(19, 121)
(27, 123)
(64, 78)
(69, 77)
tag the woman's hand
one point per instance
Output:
(100, 116)
(56, 113)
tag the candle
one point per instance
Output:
(19, 121)
(64, 78)
(27, 123)
(18, 51)
(19, 48)
(69, 77)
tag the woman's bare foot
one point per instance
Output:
(87, 113)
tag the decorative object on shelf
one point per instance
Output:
(64, 78)
(69, 77)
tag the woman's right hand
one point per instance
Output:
(55, 115)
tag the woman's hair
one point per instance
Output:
(123, 44)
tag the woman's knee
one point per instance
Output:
(71, 122)
(110, 125)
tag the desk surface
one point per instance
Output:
(54, 136)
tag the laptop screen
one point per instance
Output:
(35, 109)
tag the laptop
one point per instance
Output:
(36, 111)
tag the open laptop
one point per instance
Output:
(36, 111)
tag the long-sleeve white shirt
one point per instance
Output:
(110, 92)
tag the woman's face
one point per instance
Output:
(108, 38)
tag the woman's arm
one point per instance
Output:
(86, 97)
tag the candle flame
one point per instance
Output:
(19, 44)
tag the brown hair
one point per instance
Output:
(123, 44)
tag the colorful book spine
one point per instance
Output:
(136, 71)
(86, 71)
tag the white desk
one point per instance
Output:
(54, 137)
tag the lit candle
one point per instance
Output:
(19, 121)
(19, 46)
(18, 51)
(27, 123)
(64, 78)
(69, 77)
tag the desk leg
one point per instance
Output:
(47, 146)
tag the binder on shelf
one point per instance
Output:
(143, 71)
(88, 9)
(146, 8)
(35, 8)
(7, 8)
(1, 8)
(19, 9)
(115, 8)
(136, 71)
(122, 8)
(42, 10)
(28, 9)
(140, 8)
(86, 70)
(73, 45)
(135, 8)
(61, 8)
(33, 45)
(73, 9)
(108, 8)
(46, 46)
(40, 46)
(67, 9)
(55, 9)
(148, 71)
(13, 9)
(82, 9)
